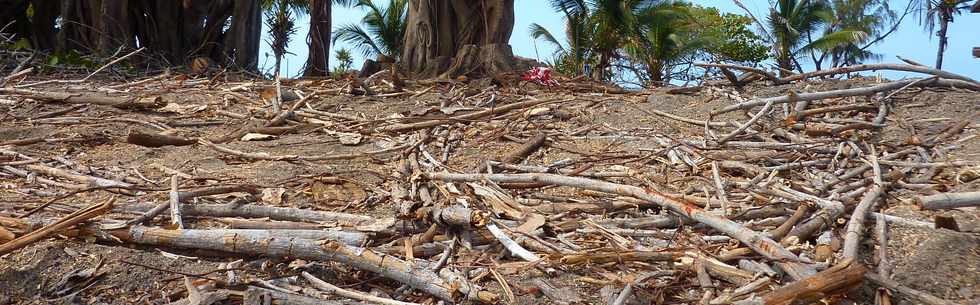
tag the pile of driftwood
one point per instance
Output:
(770, 209)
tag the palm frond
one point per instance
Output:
(356, 36)
(540, 32)
(836, 39)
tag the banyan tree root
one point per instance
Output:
(445, 285)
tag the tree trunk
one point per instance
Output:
(43, 30)
(15, 11)
(459, 37)
(943, 26)
(114, 30)
(242, 42)
(318, 62)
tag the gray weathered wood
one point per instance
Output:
(949, 200)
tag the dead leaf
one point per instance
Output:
(182, 109)
(275, 196)
(532, 222)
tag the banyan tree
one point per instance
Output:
(449, 38)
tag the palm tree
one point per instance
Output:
(281, 23)
(615, 19)
(793, 20)
(660, 26)
(867, 16)
(942, 12)
(383, 32)
(571, 57)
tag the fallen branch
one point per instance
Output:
(464, 117)
(296, 248)
(357, 295)
(792, 98)
(525, 150)
(876, 67)
(758, 242)
(66, 222)
(260, 211)
(121, 102)
(147, 139)
(917, 295)
(837, 279)
(268, 157)
(945, 201)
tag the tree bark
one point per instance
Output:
(318, 63)
(43, 31)
(242, 42)
(459, 37)
(15, 11)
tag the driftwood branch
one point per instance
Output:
(863, 91)
(755, 240)
(876, 67)
(837, 279)
(72, 219)
(949, 200)
(360, 258)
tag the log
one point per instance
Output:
(218, 190)
(147, 139)
(949, 200)
(260, 211)
(836, 279)
(437, 285)
(121, 102)
(755, 240)
(526, 149)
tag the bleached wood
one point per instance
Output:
(308, 249)
(755, 240)
(943, 201)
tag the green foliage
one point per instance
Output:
(20, 44)
(70, 58)
(383, 29)
(654, 38)
(345, 62)
(281, 25)
(726, 37)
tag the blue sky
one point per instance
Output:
(910, 41)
